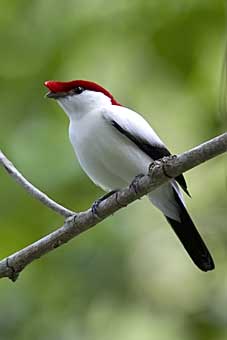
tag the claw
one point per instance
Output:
(94, 208)
(96, 203)
(134, 183)
(163, 162)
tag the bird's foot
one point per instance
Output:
(164, 163)
(134, 183)
(95, 205)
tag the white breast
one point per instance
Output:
(110, 159)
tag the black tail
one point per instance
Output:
(191, 239)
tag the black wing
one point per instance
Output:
(154, 151)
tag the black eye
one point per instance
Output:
(78, 90)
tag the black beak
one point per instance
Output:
(57, 95)
(53, 95)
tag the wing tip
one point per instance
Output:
(187, 192)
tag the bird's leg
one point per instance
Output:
(101, 199)
(134, 183)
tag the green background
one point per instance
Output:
(128, 278)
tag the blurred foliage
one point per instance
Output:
(128, 278)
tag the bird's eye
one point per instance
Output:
(78, 90)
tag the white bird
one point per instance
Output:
(114, 144)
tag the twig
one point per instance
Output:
(173, 166)
(31, 189)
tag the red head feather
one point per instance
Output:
(65, 86)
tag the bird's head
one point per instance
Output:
(79, 96)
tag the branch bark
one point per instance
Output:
(159, 173)
(31, 189)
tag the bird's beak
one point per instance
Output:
(53, 95)
(56, 90)
(53, 90)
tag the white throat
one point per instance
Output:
(77, 106)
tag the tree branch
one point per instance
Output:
(33, 191)
(159, 173)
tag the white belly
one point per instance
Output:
(110, 159)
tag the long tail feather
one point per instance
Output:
(190, 238)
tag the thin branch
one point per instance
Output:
(159, 173)
(31, 189)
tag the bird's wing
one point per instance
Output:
(137, 130)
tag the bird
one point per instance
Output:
(115, 144)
